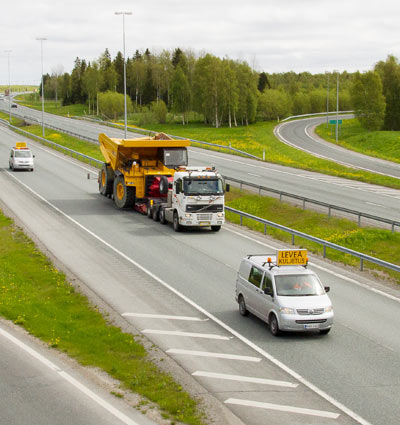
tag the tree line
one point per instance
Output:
(222, 91)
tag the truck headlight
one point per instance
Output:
(188, 215)
(220, 214)
(286, 310)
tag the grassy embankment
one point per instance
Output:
(375, 242)
(380, 144)
(17, 88)
(33, 294)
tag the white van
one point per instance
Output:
(21, 157)
(282, 291)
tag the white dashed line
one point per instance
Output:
(248, 379)
(213, 355)
(282, 408)
(188, 334)
(164, 316)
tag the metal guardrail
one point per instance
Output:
(317, 114)
(305, 200)
(325, 244)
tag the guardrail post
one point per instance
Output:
(324, 251)
(241, 220)
(359, 220)
(259, 190)
(361, 264)
(392, 227)
(241, 185)
(329, 211)
(265, 229)
(280, 197)
(292, 238)
(263, 155)
(304, 204)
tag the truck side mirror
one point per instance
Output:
(327, 288)
(227, 187)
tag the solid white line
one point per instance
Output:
(164, 316)
(125, 419)
(254, 175)
(68, 378)
(205, 312)
(373, 203)
(189, 334)
(213, 355)
(30, 350)
(283, 408)
(340, 276)
(249, 379)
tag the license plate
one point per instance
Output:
(311, 326)
(204, 223)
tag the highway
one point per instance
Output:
(37, 386)
(376, 200)
(178, 289)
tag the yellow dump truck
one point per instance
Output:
(151, 174)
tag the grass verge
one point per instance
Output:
(35, 295)
(379, 144)
(382, 244)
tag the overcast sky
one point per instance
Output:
(271, 35)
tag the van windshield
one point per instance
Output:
(23, 154)
(298, 285)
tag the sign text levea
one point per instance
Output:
(291, 257)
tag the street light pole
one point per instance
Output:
(9, 82)
(41, 39)
(123, 32)
(337, 104)
(327, 101)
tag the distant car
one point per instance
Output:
(14, 105)
(21, 157)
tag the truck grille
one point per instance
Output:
(204, 217)
(205, 208)
(305, 322)
(306, 312)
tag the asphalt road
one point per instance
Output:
(39, 387)
(300, 134)
(376, 200)
(141, 267)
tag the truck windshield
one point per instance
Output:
(298, 285)
(23, 154)
(198, 186)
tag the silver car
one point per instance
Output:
(288, 298)
(21, 159)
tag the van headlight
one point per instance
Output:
(286, 310)
(328, 309)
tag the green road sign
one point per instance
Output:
(334, 121)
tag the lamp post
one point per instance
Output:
(9, 82)
(41, 39)
(123, 32)
(327, 101)
(337, 105)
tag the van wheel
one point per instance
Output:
(177, 226)
(242, 306)
(215, 228)
(162, 216)
(324, 331)
(273, 325)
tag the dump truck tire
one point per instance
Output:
(124, 197)
(106, 180)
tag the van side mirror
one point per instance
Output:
(327, 288)
(268, 291)
(227, 187)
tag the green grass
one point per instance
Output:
(378, 243)
(17, 88)
(35, 295)
(379, 144)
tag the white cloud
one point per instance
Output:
(277, 36)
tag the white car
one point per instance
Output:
(21, 158)
(288, 297)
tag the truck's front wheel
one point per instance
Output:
(177, 226)
(124, 197)
(215, 228)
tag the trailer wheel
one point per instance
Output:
(149, 215)
(177, 226)
(162, 216)
(124, 197)
(215, 228)
(106, 180)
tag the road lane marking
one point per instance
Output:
(254, 175)
(248, 379)
(213, 355)
(164, 316)
(282, 408)
(375, 205)
(238, 335)
(107, 406)
(188, 334)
